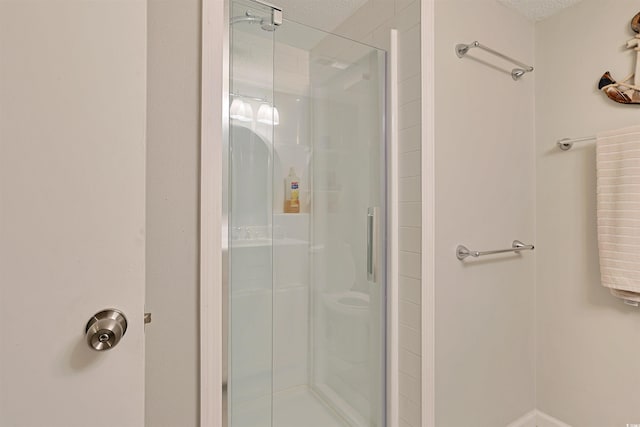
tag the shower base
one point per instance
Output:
(296, 407)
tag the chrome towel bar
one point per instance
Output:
(516, 73)
(567, 143)
(462, 251)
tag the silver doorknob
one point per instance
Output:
(105, 329)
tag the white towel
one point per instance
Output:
(618, 167)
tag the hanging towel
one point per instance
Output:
(618, 169)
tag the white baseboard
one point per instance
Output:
(537, 419)
(544, 420)
(527, 420)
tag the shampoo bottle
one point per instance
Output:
(292, 193)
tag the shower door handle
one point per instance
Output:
(372, 244)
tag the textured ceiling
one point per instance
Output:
(323, 14)
(328, 14)
(537, 10)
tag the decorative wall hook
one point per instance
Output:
(625, 92)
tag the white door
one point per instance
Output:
(72, 209)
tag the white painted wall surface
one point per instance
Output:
(485, 198)
(588, 341)
(72, 211)
(173, 129)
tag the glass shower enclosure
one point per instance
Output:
(306, 205)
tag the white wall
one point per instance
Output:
(173, 138)
(485, 198)
(587, 341)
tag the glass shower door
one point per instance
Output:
(307, 204)
(250, 207)
(347, 216)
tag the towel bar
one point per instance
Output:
(567, 143)
(516, 73)
(462, 251)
